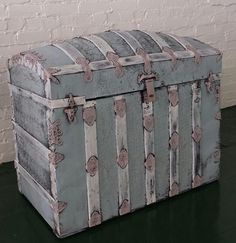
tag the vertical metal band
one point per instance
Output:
(129, 39)
(174, 139)
(92, 178)
(196, 134)
(72, 52)
(149, 149)
(161, 42)
(52, 168)
(101, 44)
(122, 155)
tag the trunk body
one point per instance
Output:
(109, 123)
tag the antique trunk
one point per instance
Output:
(109, 123)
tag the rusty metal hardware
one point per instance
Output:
(59, 206)
(95, 219)
(146, 59)
(150, 162)
(171, 53)
(196, 53)
(148, 122)
(86, 68)
(120, 107)
(173, 97)
(114, 59)
(92, 166)
(55, 133)
(197, 181)
(174, 189)
(123, 158)
(71, 109)
(197, 134)
(148, 81)
(124, 207)
(174, 141)
(55, 158)
(89, 115)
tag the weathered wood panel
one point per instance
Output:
(31, 116)
(161, 139)
(35, 195)
(24, 78)
(34, 160)
(210, 143)
(107, 156)
(71, 173)
(135, 150)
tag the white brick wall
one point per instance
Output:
(26, 24)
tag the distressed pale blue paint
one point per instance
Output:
(135, 150)
(34, 161)
(161, 129)
(106, 140)
(71, 173)
(185, 137)
(31, 116)
(210, 141)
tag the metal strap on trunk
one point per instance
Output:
(163, 45)
(107, 51)
(187, 46)
(76, 56)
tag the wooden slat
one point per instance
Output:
(108, 176)
(135, 139)
(149, 149)
(185, 131)
(122, 155)
(174, 139)
(92, 165)
(161, 130)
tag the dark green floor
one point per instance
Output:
(207, 214)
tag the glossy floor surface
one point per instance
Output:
(207, 214)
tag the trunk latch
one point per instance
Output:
(148, 80)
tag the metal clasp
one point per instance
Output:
(148, 80)
(71, 109)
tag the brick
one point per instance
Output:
(7, 39)
(27, 37)
(3, 25)
(6, 136)
(7, 157)
(15, 1)
(5, 100)
(5, 113)
(24, 10)
(3, 11)
(54, 9)
(5, 125)
(15, 24)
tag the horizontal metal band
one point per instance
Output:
(124, 61)
(51, 104)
